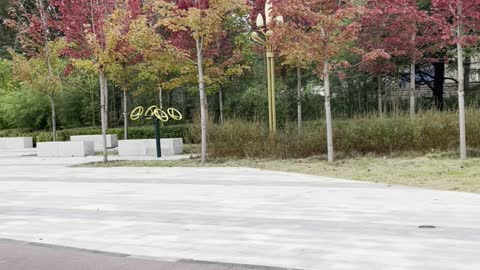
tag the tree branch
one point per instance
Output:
(423, 79)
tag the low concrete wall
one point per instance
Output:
(65, 149)
(16, 143)
(170, 147)
(112, 140)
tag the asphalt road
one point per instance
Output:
(232, 215)
(17, 255)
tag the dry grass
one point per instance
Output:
(436, 171)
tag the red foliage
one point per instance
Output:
(450, 15)
(80, 17)
(26, 20)
(390, 29)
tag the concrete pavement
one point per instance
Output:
(237, 215)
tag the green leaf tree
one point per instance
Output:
(42, 75)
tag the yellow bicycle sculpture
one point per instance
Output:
(155, 111)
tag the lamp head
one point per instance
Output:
(279, 19)
(260, 22)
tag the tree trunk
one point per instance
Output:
(203, 100)
(379, 95)
(299, 98)
(461, 102)
(125, 115)
(160, 101)
(438, 82)
(92, 100)
(103, 113)
(44, 21)
(466, 76)
(328, 111)
(160, 98)
(54, 118)
(105, 82)
(412, 88)
(220, 104)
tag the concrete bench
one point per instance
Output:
(16, 143)
(112, 141)
(148, 147)
(65, 149)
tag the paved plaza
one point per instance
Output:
(230, 215)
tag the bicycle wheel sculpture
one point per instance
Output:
(155, 111)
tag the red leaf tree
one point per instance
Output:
(389, 34)
(82, 22)
(35, 22)
(329, 27)
(459, 25)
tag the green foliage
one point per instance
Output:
(144, 132)
(20, 108)
(33, 73)
(429, 131)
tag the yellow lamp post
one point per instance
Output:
(262, 27)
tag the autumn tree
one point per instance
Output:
(36, 74)
(36, 27)
(459, 21)
(160, 58)
(390, 33)
(230, 56)
(124, 59)
(333, 28)
(83, 22)
(201, 21)
(292, 39)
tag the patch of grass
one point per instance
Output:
(436, 171)
(192, 148)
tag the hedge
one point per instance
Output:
(145, 132)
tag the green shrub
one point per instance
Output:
(145, 132)
(426, 132)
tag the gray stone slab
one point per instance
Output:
(147, 147)
(65, 149)
(16, 143)
(112, 140)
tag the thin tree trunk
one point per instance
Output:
(461, 100)
(92, 100)
(54, 118)
(160, 101)
(203, 100)
(113, 114)
(328, 111)
(103, 114)
(467, 63)
(105, 82)
(160, 98)
(125, 115)
(299, 98)
(438, 82)
(220, 104)
(43, 19)
(412, 88)
(379, 95)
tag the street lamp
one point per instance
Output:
(262, 27)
